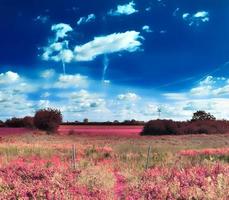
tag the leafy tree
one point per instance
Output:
(86, 121)
(202, 115)
(48, 119)
(14, 122)
(28, 122)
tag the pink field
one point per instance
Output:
(125, 131)
(13, 131)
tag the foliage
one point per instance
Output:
(14, 122)
(48, 119)
(160, 127)
(194, 182)
(202, 115)
(168, 127)
(28, 122)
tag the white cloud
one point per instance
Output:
(9, 77)
(196, 18)
(147, 29)
(84, 20)
(131, 97)
(68, 81)
(58, 51)
(211, 86)
(175, 96)
(126, 9)
(14, 91)
(61, 30)
(47, 74)
(83, 102)
(45, 95)
(116, 42)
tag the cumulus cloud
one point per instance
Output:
(84, 20)
(61, 30)
(196, 18)
(126, 9)
(9, 77)
(58, 51)
(14, 90)
(83, 101)
(131, 97)
(69, 81)
(211, 86)
(147, 29)
(116, 42)
(48, 73)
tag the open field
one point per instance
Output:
(34, 165)
(126, 131)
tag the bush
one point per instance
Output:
(2, 123)
(160, 127)
(167, 127)
(48, 119)
(28, 122)
(14, 122)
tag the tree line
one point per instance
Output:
(202, 122)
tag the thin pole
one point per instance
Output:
(74, 156)
(148, 154)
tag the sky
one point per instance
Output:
(114, 60)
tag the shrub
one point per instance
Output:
(2, 123)
(160, 127)
(28, 122)
(48, 119)
(166, 127)
(14, 122)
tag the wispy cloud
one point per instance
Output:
(84, 20)
(147, 29)
(196, 18)
(61, 30)
(116, 42)
(126, 9)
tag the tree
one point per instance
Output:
(14, 122)
(2, 123)
(86, 121)
(28, 122)
(48, 119)
(202, 115)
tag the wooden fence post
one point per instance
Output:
(74, 156)
(148, 154)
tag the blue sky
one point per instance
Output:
(108, 60)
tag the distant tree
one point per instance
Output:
(28, 122)
(48, 119)
(116, 122)
(202, 115)
(85, 120)
(14, 122)
(2, 123)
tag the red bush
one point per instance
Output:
(167, 127)
(160, 127)
(28, 122)
(14, 122)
